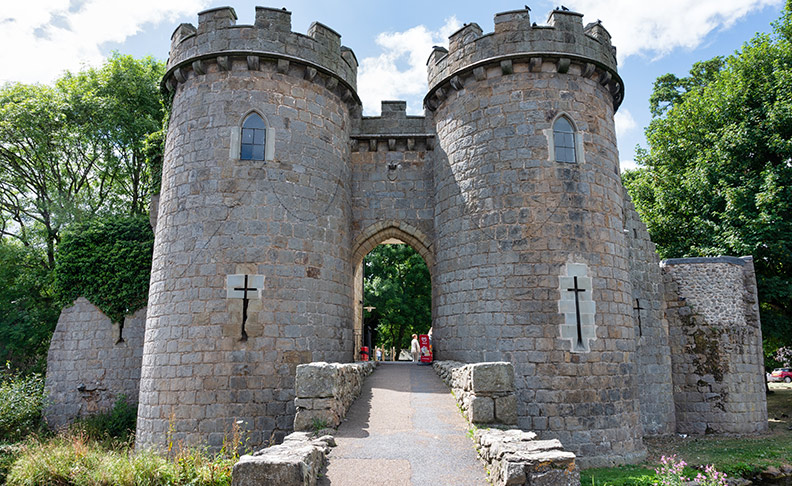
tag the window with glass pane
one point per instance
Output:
(564, 140)
(254, 135)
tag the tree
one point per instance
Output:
(717, 178)
(130, 109)
(28, 308)
(396, 282)
(75, 150)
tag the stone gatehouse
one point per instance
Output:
(275, 187)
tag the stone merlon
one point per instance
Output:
(218, 40)
(562, 42)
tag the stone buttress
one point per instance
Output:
(286, 218)
(519, 234)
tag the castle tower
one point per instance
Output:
(253, 227)
(530, 256)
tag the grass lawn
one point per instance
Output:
(736, 456)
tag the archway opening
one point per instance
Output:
(397, 299)
(392, 288)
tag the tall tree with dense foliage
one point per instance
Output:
(74, 150)
(28, 307)
(70, 153)
(717, 177)
(396, 283)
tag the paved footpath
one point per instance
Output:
(404, 430)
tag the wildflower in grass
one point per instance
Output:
(711, 477)
(670, 472)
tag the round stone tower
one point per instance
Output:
(253, 185)
(531, 256)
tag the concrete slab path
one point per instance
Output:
(404, 430)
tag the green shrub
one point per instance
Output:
(8, 454)
(21, 400)
(117, 423)
(76, 460)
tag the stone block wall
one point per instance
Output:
(484, 391)
(564, 35)
(653, 355)
(325, 392)
(87, 366)
(392, 170)
(716, 345)
(287, 219)
(510, 222)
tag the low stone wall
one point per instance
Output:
(484, 391)
(295, 462)
(515, 458)
(324, 392)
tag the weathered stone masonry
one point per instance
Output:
(88, 366)
(716, 345)
(534, 262)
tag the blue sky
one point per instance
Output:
(392, 40)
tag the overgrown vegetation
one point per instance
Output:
(96, 450)
(107, 261)
(21, 401)
(76, 460)
(114, 425)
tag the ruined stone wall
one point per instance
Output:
(286, 218)
(653, 355)
(514, 227)
(716, 345)
(87, 367)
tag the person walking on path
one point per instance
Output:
(414, 348)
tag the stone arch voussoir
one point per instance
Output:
(375, 234)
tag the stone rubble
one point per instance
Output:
(515, 457)
(295, 462)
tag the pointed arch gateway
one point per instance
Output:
(366, 241)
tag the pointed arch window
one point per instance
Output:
(254, 138)
(564, 140)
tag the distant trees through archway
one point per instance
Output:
(397, 296)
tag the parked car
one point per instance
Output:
(781, 374)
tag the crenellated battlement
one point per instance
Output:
(393, 130)
(219, 43)
(563, 45)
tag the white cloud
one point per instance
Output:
(624, 122)
(399, 72)
(655, 28)
(628, 164)
(43, 38)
